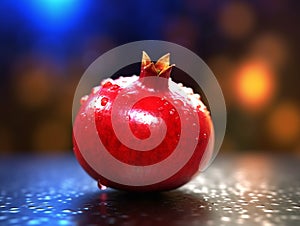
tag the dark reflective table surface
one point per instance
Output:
(248, 189)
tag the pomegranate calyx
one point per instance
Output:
(161, 68)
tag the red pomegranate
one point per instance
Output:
(143, 133)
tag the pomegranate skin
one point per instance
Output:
(96, 111)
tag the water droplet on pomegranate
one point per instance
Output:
(104, 101)
(114, 87)
(101, 186)
(172, 111)
(107, 85)
(178, 103)
(160, 108)
(82, 116)
(166, 103)
(84, 99)
(194, 124)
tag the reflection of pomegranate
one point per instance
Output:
(142, 122)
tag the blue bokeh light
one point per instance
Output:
(53, 15)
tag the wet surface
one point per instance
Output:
(236, 190)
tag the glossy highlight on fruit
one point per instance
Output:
(143, 133)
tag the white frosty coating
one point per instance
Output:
(194, 97)
(125, 81)
(121, 81)
(95, 89)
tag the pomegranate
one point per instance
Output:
(143, 133)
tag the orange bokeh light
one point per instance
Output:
(254, 84)
(283, 125)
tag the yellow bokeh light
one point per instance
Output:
(254, 83)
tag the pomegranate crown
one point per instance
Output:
(161, 68)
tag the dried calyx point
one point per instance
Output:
(161, 68)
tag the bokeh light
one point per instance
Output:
(52, 15)
(236, 19)
(255, 85)
(283, 124)
(182, 31)
(223, 67)
(270, 47)
(34, 87)
(50, 134)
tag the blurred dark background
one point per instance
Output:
(251, 46)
